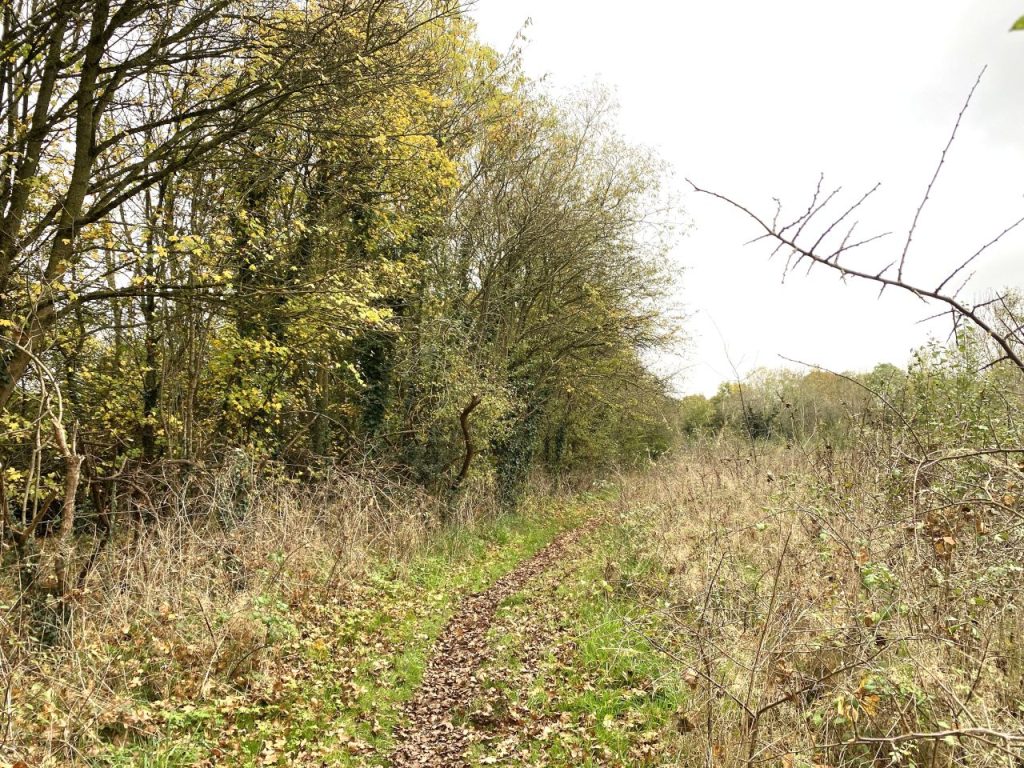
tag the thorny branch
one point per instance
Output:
(800, 243)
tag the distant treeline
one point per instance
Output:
(932, 395)
(784, 404)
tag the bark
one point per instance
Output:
(21, 190)
(65, 548)
(467, 437)
(62, 246)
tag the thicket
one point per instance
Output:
(855, 603)
(850, 594)
(294, 236)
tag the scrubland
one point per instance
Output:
(852, 605)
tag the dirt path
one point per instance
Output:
(436, 733)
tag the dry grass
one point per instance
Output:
(193, 603)
(826, 609)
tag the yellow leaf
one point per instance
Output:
(870, 704)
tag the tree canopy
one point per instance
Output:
(312, 233)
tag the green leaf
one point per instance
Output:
(1019, 26)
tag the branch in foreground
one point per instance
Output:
(1008, 342)
(1007, 336)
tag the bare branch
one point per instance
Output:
(935, 176)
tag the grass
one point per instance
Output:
(813, 612)
(351, 661)
(787, 578)
(583, 685)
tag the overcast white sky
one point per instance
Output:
(755, 99)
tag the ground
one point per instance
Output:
(518, 642)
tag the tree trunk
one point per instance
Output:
(468, 439)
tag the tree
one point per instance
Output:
(169, 203)
(302, 237)
(105, 101)
(549, 275)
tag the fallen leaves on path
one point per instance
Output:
(439, 725)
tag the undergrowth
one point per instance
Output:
(298, 653)
(821, 611)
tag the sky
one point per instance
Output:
(755, 100)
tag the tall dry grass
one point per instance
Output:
(836, 608)
(192, 599)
